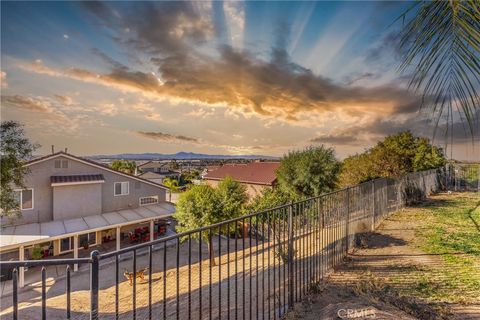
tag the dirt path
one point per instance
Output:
(379, 276)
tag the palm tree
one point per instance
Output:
(441, 45)
(172, 185)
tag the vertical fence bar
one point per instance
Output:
(256, 266)
(68, 289)
(290, 257)
(165, 281)
(219, 273)
(44, 293)
(94, 270)
(116, 285)
(200, 276)
(150, 271)
(15, 293)
(250, 268)
(228, 271)
(373, 204)
(189, 276)
(347, 220)
(178, 278)
(134, 287)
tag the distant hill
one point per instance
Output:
(178, 156)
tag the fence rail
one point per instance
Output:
(256, 266)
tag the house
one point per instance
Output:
(157, 171)
(71, 203)
(152, 176)
(256, 176)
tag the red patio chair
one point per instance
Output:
(133, 237)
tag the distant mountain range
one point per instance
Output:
(178, 156)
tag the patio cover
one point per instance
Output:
(29, 234)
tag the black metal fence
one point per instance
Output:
(463, 176)
(256, 266)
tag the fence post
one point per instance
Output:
(94, 269)
(290, 257)
(373, 204)
(347, 220)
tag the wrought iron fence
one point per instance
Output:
(463, 176)
(256, 266)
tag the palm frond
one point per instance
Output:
(441, 43)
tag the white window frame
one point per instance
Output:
(71, 244)
(88, 239)
(121, 188)
(21, 198)
(146, 204)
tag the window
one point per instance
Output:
(87, 238)
(24, 198)
(66, 244)
(61, 164)
(121, 188)
(148, 200)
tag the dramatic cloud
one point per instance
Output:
(27, 103)
(167, 137)
(377, 128)
(171, 34)
(66, 100)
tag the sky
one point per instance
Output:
(210, 77)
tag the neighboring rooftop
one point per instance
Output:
(150, 175)
(255, 172)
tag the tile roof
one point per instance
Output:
(254, 172)
(77, 178)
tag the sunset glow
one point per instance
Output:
(220, 78)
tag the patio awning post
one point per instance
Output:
(151, 230)
(75, 251)
(21, 273)
(117, 238)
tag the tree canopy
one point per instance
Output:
(309, 172)
(15, 149)
(269, 198)
(124, 166)
(396, 155)
(233, 197)
(203, 205)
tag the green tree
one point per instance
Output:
(124, 166)
(172, 185)
(356, 169)
(441, 45)
(173, 165)
(269, 198)
(187, 176)
(233, 197)
(15, 149)
(309, 172)
(396, 155)
(199, 207)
